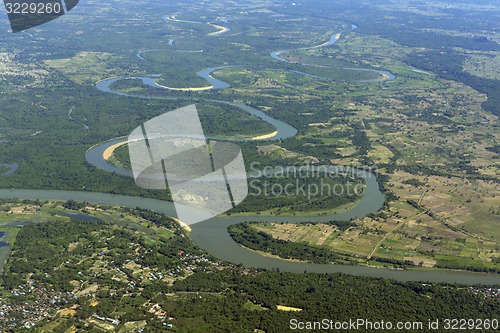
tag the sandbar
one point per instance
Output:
(109, 151)
(265, 136)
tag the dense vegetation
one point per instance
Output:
(300, 194)
(334, 296)
(447, 64)
(75, 258)
(41, 248)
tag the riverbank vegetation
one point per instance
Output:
(432, 134)
(247, 235)
(89, 268)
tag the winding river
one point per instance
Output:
(283, 130)
(212, 234)
(206, 74)
(384, 75)
(220, 29)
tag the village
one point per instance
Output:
(109, 263)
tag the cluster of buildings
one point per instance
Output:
(195, 262)
(29, 304)
(489, 293)
(188, 263)
(32, 302)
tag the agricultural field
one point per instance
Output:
(85, 67)
(442, 143)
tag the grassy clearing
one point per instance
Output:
(85, 67)
(254, 307)
(487, 66)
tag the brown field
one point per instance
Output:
(92, 289)
(66, 312)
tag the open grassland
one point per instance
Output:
(484, 65)
(318, 234)
(86, 67)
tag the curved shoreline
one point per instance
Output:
(384, 75)
(173, 18)
(220, 31)
(333, 39)
(212, 234)
(206, 73)
(206, 232)
(284, 130)
(185, 89)
(13, 167)
(265, 136)
(110, 150)
(152, 81)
